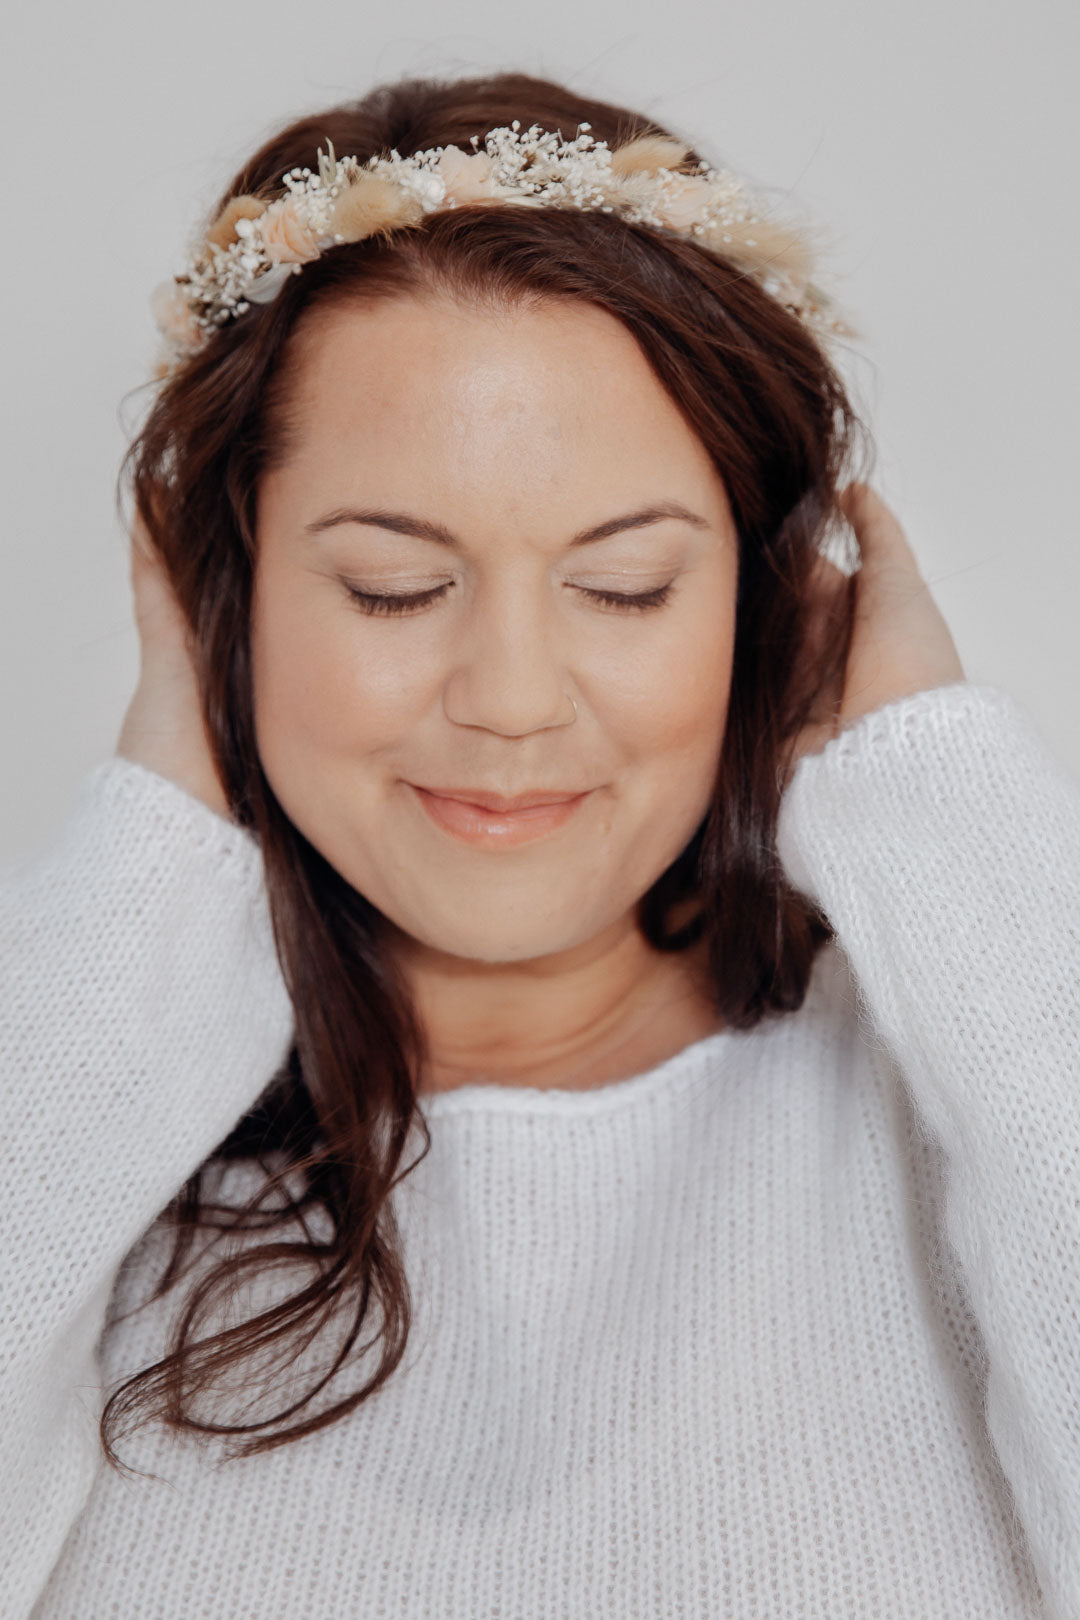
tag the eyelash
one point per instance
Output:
(373, 603)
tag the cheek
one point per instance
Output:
(321, 688)
(675, 702)
(670, 722)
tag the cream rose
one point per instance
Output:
(467, 178)
(285, 239)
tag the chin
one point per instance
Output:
(488, 941)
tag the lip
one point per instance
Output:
(499, 801)
(533, 816)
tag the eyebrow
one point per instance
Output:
(424, 529)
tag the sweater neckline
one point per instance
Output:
(672, 1074)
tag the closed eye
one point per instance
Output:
(416, 601)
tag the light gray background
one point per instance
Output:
(936, 141)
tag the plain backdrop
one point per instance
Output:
(935, 141)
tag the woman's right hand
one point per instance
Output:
(163, 728)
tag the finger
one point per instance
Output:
(825, 575)
(880, 534)
(825, 581)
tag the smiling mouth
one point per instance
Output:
(499, 828)
(502, 803)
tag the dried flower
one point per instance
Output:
(174, 316)
(252, 248)
(284, 236)
(683, 200)
(223, 230)
(467, 179)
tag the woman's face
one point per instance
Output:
(509, 436)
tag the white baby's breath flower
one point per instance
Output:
(425, 184)
(532, 168)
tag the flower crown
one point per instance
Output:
(254, 245)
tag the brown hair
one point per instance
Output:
(771, 410)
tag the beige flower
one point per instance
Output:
(285, 238)
(223, 231)
(373, 203)
(763, 247)
(173, 315)
(467, 178)
(648, 153)
(684, 197)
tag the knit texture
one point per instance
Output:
(786, 1327)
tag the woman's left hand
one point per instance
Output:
(900, 642)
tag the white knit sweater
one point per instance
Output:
(786, 1327)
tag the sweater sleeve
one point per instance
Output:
(941, 838)
(144, 1012)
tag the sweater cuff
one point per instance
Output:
(120, 783)
(920, 749)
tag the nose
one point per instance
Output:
(510, 674)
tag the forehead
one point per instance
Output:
(553, 384)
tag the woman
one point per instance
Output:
(735, 1268)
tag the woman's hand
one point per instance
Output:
(900, 642)
(163, 728)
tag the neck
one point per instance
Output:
(597, 1013)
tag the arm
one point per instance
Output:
(143, 1015)
(942, 840)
